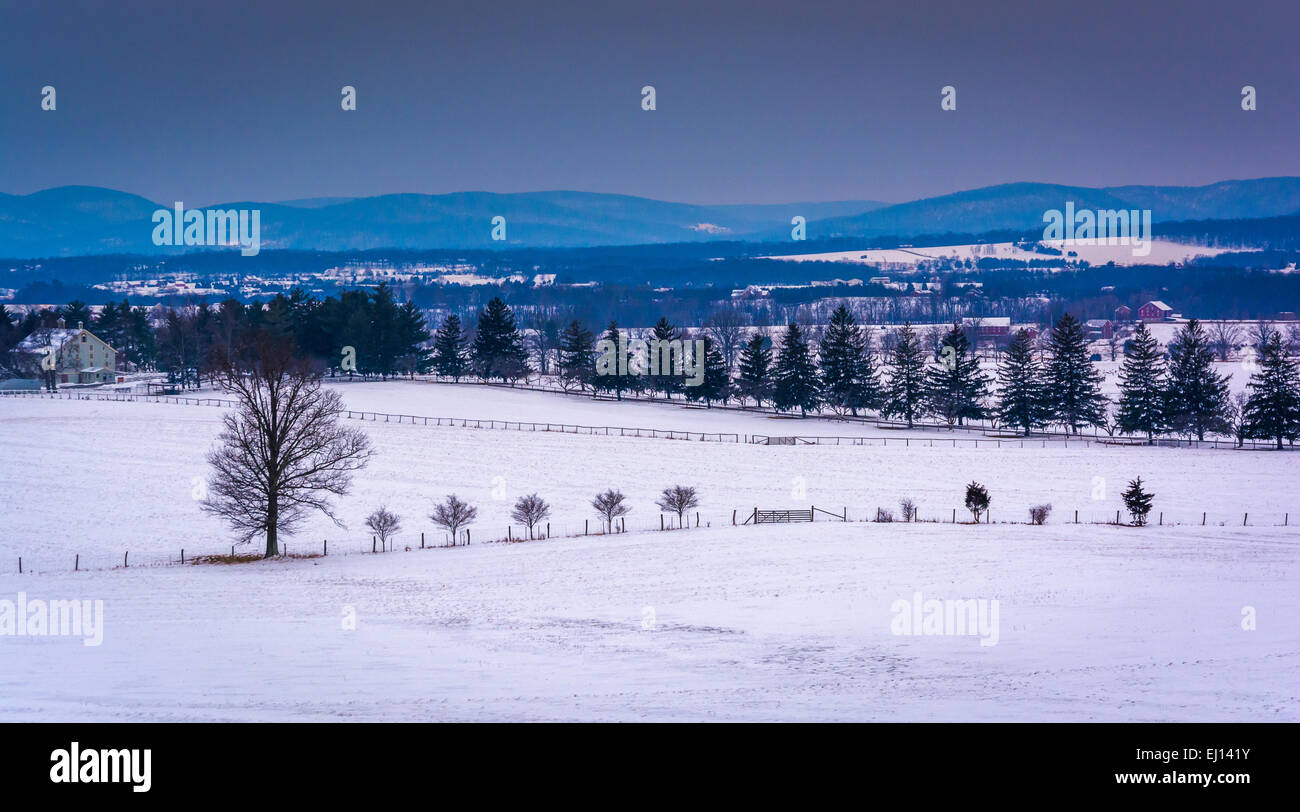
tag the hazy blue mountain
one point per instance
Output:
(79, 220)
(1021, 205)
(84, 220)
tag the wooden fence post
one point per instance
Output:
(1244, 516)
(20, 565)
(76, 564)
(954, 515)
(467, 536)
(182, 555)
(1202, 520)
(325, 546)
(1117, 517)
(421, 541)
(697, 518)
(585, 528)
(126, 559)
(1076, 517)
(373, 543)
(661, 521)
(548, 529)
(733, 516)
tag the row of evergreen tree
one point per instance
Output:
(1182, 394)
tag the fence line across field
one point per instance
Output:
(1039, 440)
(595, 529)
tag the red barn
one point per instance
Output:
(1155, 311)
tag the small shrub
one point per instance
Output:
(908, 509)
(1039, 513)
(977, 500)
(883, 515)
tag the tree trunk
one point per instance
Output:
(272, 519)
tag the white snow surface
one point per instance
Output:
(788, 622)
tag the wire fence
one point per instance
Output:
(300, 547)
(1037, 440)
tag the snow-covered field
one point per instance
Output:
(774, 622)
(1162, 252)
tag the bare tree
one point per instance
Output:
(530, 510)
(678, 499)
(384, 523)
(453, 514)
(1224, 336)
(283, 451)
(1260, 332)
(610, 505)
(727, 328)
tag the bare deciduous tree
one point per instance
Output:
(283, 452)
(529, 510)
(609, 506)
(453, 514)
(727, 327)
(384, 523)
(678, 499)
(1224, 336)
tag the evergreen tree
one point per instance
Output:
(755, 369)
(498, 349)
(76, 312)
(665, 333)
(1196, 401)
(412, 335)
(384, 331)
(955, 388)
(1073, 384)
(849, 377)
(607, 377)
(1272, 408)
(1137, 501)
(1020, 379)
(795, 379)
(905, 391)
(1142, 386)
(716, 383)
(577, 356)
(449, 349)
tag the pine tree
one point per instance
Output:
(905, 391)
(795, 379)
(1137, 501)
(449, 349)
(1020, 379)
(1196, 400)
(716, 383)
(385, 332)
(1142, 386)
(849, 377)
(498, 348)
(755, 369)
(412, 335)
(577, 358)
(1272, 409)
(955, 388)
(607, 376)
(1073, 384)
(667, 337)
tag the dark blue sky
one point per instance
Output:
(757, 101)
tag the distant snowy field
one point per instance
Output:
(1162, 252)
(776, 622)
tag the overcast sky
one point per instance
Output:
(757, 101)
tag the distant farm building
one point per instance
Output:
(67, 355)
(1123, 313)
(1099, 329)
(1155, 311)
(988, 327)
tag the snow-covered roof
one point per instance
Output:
(53, 337)
(1159, 305)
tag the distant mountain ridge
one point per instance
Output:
(86, 220)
